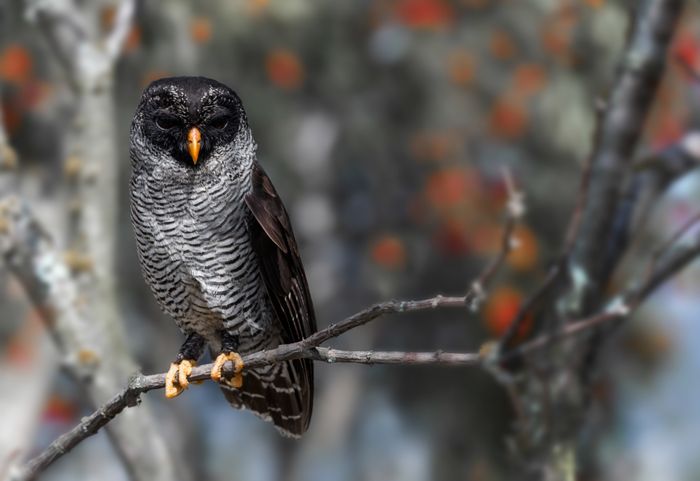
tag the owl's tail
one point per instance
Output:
(281, 393)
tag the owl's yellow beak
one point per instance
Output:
(194, 143)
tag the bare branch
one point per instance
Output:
(515, 209)
(620, 128)
(122, 24)
(656, 172)
(395, 357)
(620, 309)
(665, 266)
(661, 269)
(308, 347)
(567, 330)
(673, 161)
(666, 246)
(574, 226)
(559, 266)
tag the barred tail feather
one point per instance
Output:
(281, 393)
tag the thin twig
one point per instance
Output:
(558, 267)
(439, 358)
(661, 269)
(515, 209)
(567, 330)
(574, 226)
(671, 241)
(664, 267)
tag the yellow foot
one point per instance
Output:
(176, 380)
(237, 379)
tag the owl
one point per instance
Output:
(217, 248)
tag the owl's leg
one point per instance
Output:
(176, 379)
(229, 346)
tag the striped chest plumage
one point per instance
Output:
(197, 257)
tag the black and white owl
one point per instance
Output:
(217, 248)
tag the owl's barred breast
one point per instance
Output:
(196, 253)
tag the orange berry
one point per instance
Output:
(461, 68)
(523, 257)
(501, 308)
(201, 30)
(389, 252)
(16, 64)
(284, 69)
(502, 46)
(448, 188)
(529, 79)
(425, 13)
(508, 119)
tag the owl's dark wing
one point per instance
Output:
(283, 273)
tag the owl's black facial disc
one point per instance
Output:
(177, 110)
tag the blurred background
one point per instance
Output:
(385, 125)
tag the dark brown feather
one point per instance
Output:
(283, 273)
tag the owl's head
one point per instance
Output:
(188, 122)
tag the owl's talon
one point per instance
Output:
(184, 372)
(172, 388)
(237, 380)
(176, 379)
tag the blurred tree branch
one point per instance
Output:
(654, 173)
(21, 406)
(555, 384)
(620, 127)
(76, 292)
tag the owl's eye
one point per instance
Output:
(166, 122)
(219, 122)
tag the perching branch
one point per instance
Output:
(663, 266)
(140, 384)
(28, 251)
(619, 309)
